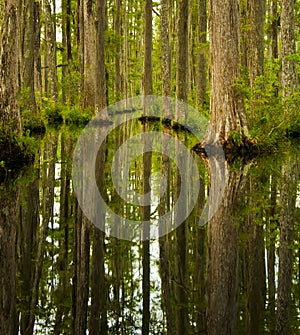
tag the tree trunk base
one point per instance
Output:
(245, 150)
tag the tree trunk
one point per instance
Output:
(148, 48)
(9, 68)
(50, 29)
(227, 112)
(89, 40)
(118, 32)
(100, 84)
(255, 39)
(28, 53)
(182, 50)
(201, 54)
(288, 49)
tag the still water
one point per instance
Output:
(238, 273)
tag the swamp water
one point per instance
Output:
(237, 274)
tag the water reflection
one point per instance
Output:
(237, 275)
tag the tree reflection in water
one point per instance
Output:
(63, 276)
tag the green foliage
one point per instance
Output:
(51, 110)
(76, 114)
(236, 137)
(32, 122)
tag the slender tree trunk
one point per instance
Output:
(182, 50)
(288, 48)
(118, 32)
(28, 53)
(201, 80)
(37, 48)
(255, 39)
(148, 48)
(89, 40)
(9, 67)
(100, 84)
(50, 29)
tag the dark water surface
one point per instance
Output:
(237, 274)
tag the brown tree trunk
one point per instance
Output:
(28, 53)
(50, 29)
(255, 39)
(9, 67)
(288, 48)
(148, 48)
(182, 50)
(89, 40)
(118, 32)
(37, 48)
(227, 112)
(201, 54)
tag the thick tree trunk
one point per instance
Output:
(227, 112)
(9, 67)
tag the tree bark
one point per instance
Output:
(288, 49)
(182, 50)
(50, 35)
(28, 53)
(227, 112)
(9, 68)
(100, 84)
(201, 81)
(255, 39)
